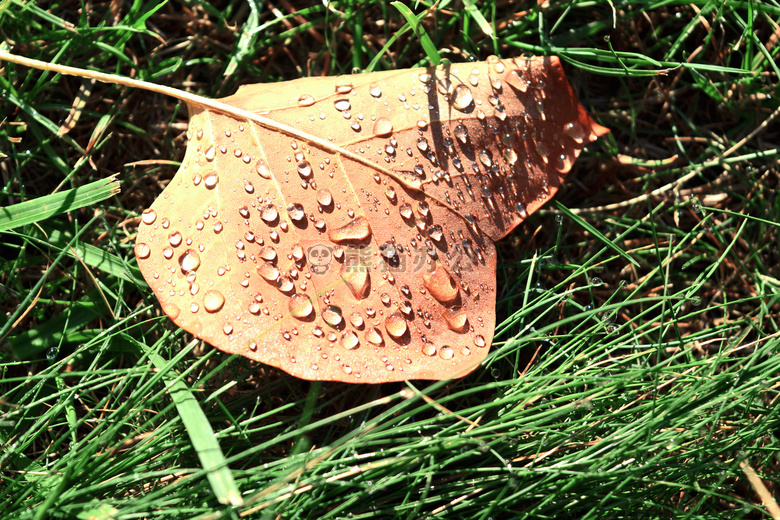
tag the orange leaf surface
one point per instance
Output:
(342, 228)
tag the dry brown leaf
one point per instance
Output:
(342, 228)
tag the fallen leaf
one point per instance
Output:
(358, 247)
(342, 228)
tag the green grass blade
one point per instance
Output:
(35, 210)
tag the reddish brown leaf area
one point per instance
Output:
(356, 243)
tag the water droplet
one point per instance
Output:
(446, 352)
(269, 213)
(462, 99)
(211, 180)
(383, 127)
(375, 91)
(142, 250)
(510, 156)
(189, 261)
(456, 319)
(295, 212)
(395, 324)
(148, 216)
(213, 301)
(390, 193)
(374, 336)
(484, 158)
(304, 169)
(445, 87)
(210, 153)
(441, 285)
(423, 209)
(422, 144)
(355, 126)
(520, 208)
(349, 340)
(461, 134)
(324, 197)
(435, 232)
(479, 341)
(342, 104)
(263, 170)
(405, 210)
(268, 254)
(358, 280)
(268, 272)
(355, 230)
(575, 131)
(332, 316)
(300, 306)
(356, 320)
(428, 349)
(305, 100)
(387, 250)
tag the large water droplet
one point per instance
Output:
(405, 210)
(375, 91)
(269, 214)
(575, 131)
(295, 212)
(268, 272)
(435, 232)
(304, 169)
(441, 285)
(189, 261)
(461, 134)
(324, 197)
(211, 180)
(462, 99)
(268, 254)
(383, 127)
(358, 280)
(349, 340)
(374, 336)
(395, 324)
(387, 250)
(456, 319)
(355, 230)
(300, 306)
(446, 352)
(213, 301)
(142, 251)
(305, 100)
(342, 105)
(263, 170)
(148, 216)
(332, 316)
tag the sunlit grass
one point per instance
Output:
(635, 368)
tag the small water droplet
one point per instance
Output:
(374, 336)
(456, 319)
(268, 272)
(375, 91)
(575, 131)
(423, 209)
(422, 144)
(405, 210)
(342, 105)
(435, 232)
(210, 153)
(479, 341)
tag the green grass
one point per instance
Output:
(636, 366)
